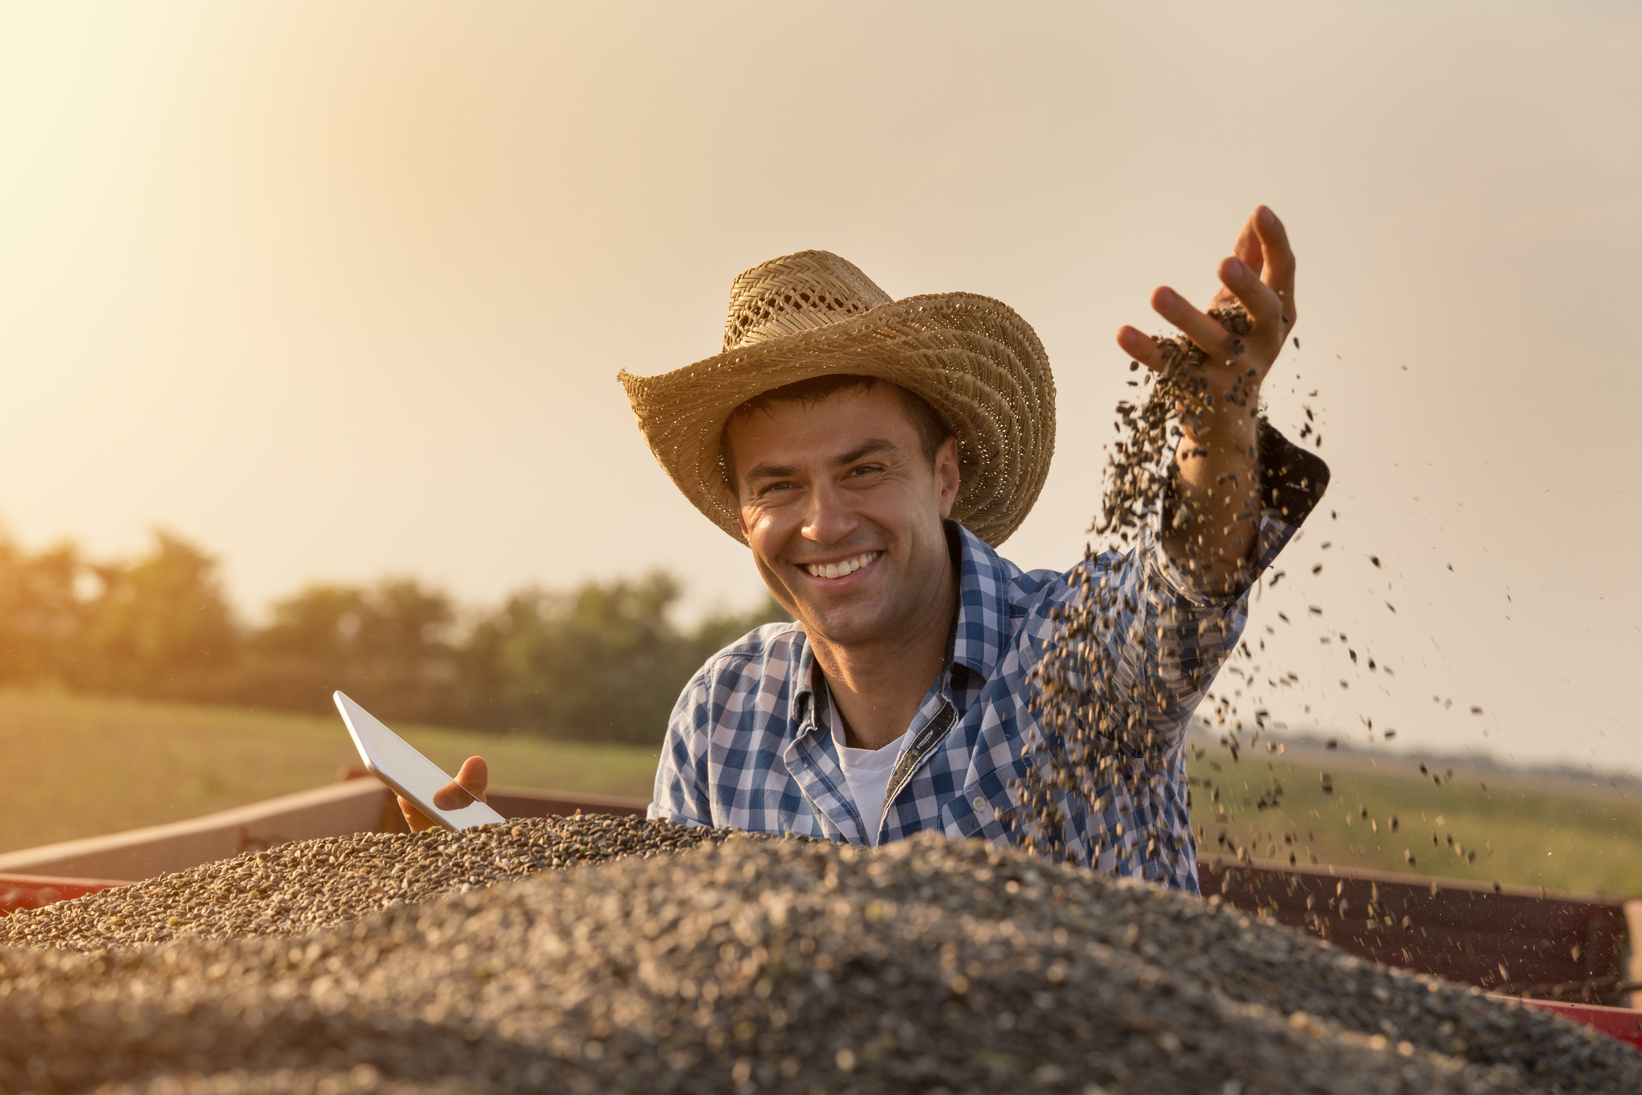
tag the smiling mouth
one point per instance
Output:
(840, 570)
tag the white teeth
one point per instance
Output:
(839, 570)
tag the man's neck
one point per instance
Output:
(879, 685)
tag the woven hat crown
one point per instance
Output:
(796, 293)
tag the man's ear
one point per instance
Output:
(946, 475)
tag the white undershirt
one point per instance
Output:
(867, 772)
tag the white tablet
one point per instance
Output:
(394, 761)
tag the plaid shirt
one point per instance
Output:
(748, 745)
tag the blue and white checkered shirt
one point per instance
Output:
(748, 745)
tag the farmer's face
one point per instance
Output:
(843, 511)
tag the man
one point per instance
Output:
(872, 453)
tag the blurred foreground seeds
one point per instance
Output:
(745, 964)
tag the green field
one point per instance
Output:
(1555, 832)
(78, 766)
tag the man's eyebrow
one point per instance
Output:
(860, 452)
(771, 471)
(864, 450)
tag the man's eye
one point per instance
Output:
(865, 469)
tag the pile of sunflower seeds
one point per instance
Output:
(310, 884)
(768, 964)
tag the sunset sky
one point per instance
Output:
(336, 290)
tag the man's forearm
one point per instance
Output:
(1210, 529)
(1218, 364)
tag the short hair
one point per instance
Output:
(931, 428)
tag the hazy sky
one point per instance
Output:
(340, 289)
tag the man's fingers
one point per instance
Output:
(475, 776)
(470, 783)
(415, 818)
(1255, 295)
(1250, 251)
(1259, 276)
(452, 796)
(1279, 258)
(1140, 346)
(1248, 248)
(1207, 333)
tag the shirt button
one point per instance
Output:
(979, 803)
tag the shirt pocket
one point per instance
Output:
(972, 814)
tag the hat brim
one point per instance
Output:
(972, 358)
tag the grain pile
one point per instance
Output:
(310, 884)
(777, 965)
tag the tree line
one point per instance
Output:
(602, 662)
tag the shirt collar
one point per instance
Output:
(978, 634)
(983, 606)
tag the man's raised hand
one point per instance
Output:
(1217, 459)
(470, 784)
(1259, 274)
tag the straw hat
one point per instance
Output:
(977, 363)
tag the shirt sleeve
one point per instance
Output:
(681, 778)
(1292, 482)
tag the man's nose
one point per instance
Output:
(830, 517)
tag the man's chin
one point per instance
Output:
(844, 626)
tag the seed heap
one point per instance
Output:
(1085, 748)
(310, 884)
(778, 965)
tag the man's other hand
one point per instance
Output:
(470, 784)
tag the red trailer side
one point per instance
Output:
(26, 891)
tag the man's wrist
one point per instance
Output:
(1235, 434)
(1226, 420)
